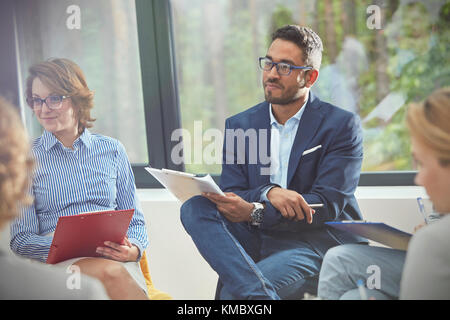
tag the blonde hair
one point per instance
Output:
(16, 163)
(65, 77)
(429, 123)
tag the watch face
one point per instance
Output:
(257, 214)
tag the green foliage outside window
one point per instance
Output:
(217, 45)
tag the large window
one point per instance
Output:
(167, 73)
(101, 37)
(378, 57)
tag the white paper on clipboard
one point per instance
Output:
(184, 185)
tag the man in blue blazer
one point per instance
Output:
(264, 238)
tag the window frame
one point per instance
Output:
(9, 64)
(159, 84)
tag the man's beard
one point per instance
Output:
(287, 97)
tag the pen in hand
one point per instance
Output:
(422, 209)
(362, 289)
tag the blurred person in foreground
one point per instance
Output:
(426, 274)
(21, 278)
(423, 271)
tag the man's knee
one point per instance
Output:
(192, 210)
(333, 253)
(340, 252)
(341, 255)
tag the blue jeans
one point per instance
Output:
(251, 263)
(343, 266)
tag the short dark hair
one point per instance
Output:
(306, 39)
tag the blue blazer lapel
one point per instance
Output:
(261, 120)
(309, 123)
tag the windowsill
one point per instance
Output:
(366, 193)
(155, 195)
(390, 192)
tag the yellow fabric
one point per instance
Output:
(153, 293)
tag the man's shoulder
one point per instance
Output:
(332, 112)
(259, 110)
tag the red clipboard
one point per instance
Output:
(80, 235)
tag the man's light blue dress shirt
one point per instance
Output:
(281, 141)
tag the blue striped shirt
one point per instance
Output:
(95, 175)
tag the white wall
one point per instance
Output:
(177, 267)
(175, 264)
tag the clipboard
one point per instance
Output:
(81, 234)
(184, 185)
(376, 231)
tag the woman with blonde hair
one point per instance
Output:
(426, 274)
(423, 271)
(15, 164)
(78, 171)
(21, 279)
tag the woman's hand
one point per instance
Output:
(419, 226)
(119, 252)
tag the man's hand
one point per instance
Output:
(232, 207)
(290, 204)
(119, 252)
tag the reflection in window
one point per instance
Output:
(374, 71)
(103, 42)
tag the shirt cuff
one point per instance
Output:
(264, 192)
(139, 246)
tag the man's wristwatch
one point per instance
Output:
(257, 214)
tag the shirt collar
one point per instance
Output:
(86, 138)
(49, 140)
(297, 116)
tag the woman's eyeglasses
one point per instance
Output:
(53, 102)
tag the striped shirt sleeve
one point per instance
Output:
(25, 238)
(127, 198)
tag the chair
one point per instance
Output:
(153, 293)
